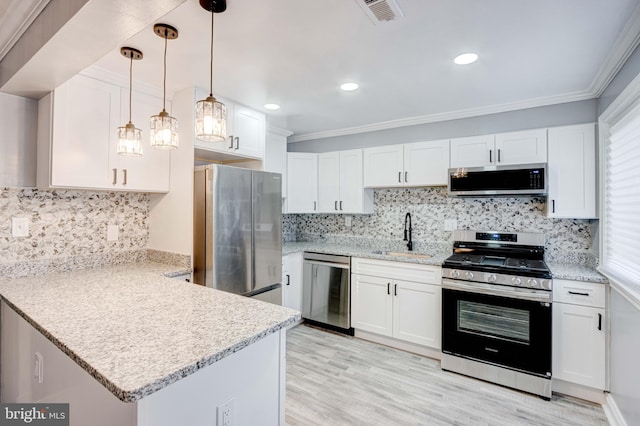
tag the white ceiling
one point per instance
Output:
(297, 52)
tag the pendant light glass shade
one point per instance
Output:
(211, 120)
(130, 137)
(164, 131)
(164, 128)
(211, 115)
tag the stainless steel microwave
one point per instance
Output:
(521, 179)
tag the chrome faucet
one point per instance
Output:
(407, 232)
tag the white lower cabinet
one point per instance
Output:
(292, 281)
(396, 299)
(579, 333)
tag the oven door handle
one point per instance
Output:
(511, 292)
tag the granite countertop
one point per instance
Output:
(565, 271)
(435, 259)
(135, 330)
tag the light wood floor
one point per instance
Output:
(339, 380)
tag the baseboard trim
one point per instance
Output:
(579, 391)
(612, 412)
(399, 344)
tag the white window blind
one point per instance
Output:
(622, 204)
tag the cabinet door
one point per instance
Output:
(529, 146)
(426, 163)
(86, 114)
(302, 182)
(371, 304)
(476, 151)
(328, 182)
(353, 197)
(416, 313)
(151, 171)
(383, 166)
(248, 132)
(572, 172)
(579, 344)
(292, 281)
(275, 157)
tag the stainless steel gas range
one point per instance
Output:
(496, 310)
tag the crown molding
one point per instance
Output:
(623, 47)
(27, 11)
(279, 131)
(446, 116)
(122, 80)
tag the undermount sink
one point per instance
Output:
(401, 254)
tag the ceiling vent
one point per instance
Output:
(380, 10)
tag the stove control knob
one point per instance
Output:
(454, 274)
(516, 281)
(492, 278)
(468, 275)
(533, 282)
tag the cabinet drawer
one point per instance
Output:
(579, 293)
(397, 270)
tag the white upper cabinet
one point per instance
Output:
(414, 164)
(572, 172)
(426, 163)
(246, 131)
(77, 136)
(302, 182)
(383, 166)
(529, 146)
(340, 187)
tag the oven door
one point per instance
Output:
(505, 326)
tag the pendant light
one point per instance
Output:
(129, 136)
(211, 115)
(164, 128)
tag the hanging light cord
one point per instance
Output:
(130, 83)
(213, 4)
(164, 81)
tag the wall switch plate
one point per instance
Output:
(112, 233)
(347, 221)
(20, 227)
(225, 414)
(450, 224)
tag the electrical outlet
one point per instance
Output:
(112, 233)
(20, 227)
(225, 413)
(450, 224)
(347, 221)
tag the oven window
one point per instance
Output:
(494, 321)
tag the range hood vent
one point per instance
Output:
(380, 11)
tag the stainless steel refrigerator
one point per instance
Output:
(238, 231)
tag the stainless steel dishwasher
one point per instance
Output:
(326, 292)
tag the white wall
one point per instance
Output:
(18, 125)
(547, 116)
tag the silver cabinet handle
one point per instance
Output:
(288, 279)
(405, 176)
(599, 321)
(230, 142)
(577, 293)
(498, 156)
(314, 206)
(335, 205)
(395, 289)
(124, 176)
(490, 156)
(553, 206)
(388, 288)
(115, 176)
(237, 139)
(400, 177)
(340, 205)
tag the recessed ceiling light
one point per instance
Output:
(272, 107)
(349, 87)
(466, 58)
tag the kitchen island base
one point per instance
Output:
(251, 378)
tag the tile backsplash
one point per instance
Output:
(69, 224)
(567, 240)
